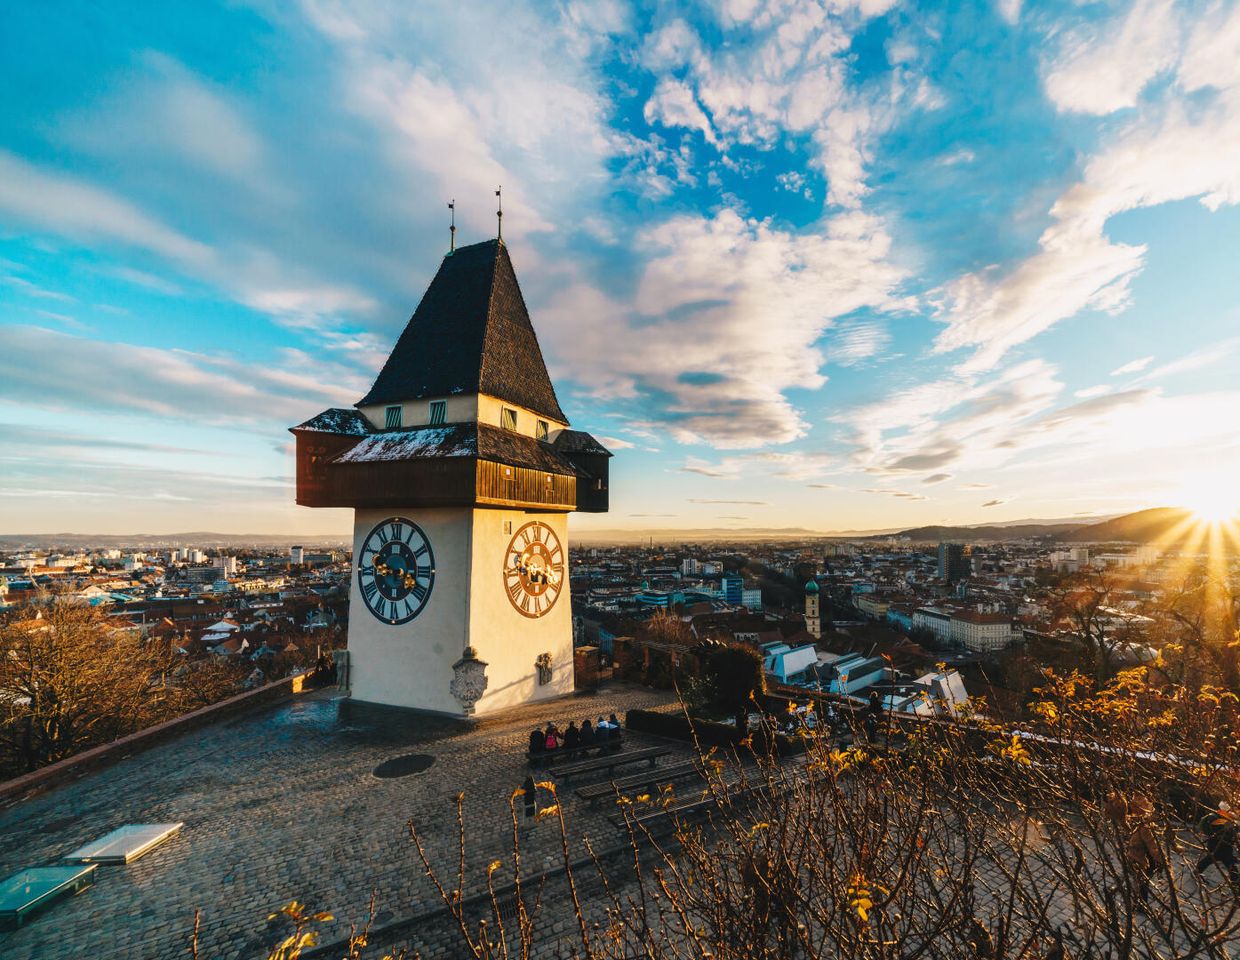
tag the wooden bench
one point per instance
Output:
(659, 821)
(545, 758)
(608, 762)
(639, 781)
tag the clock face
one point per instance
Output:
(534, 569)
(396, 570)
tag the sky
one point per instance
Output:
(851, 265)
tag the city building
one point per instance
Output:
(980, 631)
(953, 564)
(461, 469)
(813, 614)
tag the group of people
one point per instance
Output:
(602, 733)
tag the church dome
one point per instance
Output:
(811, 586)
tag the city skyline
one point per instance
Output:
(872, 267)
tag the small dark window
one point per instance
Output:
(439, 412)
(542, 430)
(508, 419)
(392, 417)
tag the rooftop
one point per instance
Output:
(470, 334)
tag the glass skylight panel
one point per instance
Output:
(125, 844)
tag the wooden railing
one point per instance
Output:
(504, 485)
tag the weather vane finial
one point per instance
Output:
(452, 229)
(499, 214)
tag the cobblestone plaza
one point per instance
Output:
(282, 804)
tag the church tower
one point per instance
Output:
(813, 619)
(461, 469)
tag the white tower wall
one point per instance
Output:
(410, 664)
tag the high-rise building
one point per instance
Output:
(462, 470)
(296, 555)
(733, 589)
(953, 564)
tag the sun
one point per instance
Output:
(1213, 500)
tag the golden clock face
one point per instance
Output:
(534, 569)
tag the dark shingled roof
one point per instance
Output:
(470, 334)
(578, 441)
(338, 420)
(459, 440)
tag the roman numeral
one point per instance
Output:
(424, 571)
(537, 605)
(422, 550)
(381, 608)
(396, 531)
(419, 592)
(515, 589)
(525, 603)
(370, 588)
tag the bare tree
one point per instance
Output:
(70, 679)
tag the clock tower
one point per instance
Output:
(462, 470)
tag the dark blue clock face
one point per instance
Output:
(396, 570)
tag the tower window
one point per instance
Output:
(542, 430)
(439, 412)
(391, 417)
(508, 419)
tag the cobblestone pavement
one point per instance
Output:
(281, 804)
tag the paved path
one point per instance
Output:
(281, 804)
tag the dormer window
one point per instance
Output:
(542, 430)
(508, 419)
(439, 412)
(392, 417)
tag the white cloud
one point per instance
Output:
(783, 70)
(171, 384)
(1132, 366)
(723, 321)
(1174, 149)
(164, 109)
(70, 207)
(673, 105)
(615, 443)
(1096, 391)
(858, 341)
(1009, 10)
(956, 421)
(786, 465)
(673, 45)
(66, 205)
(1104, 66)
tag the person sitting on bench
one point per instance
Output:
(587, 734)
(538, 742)
(572, 736)
(552, 741)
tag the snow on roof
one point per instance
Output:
(449, 440)
(338, 420)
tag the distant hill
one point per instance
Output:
(995, 532)
(1144, 526)
(141, 541)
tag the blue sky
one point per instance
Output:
(841, 266)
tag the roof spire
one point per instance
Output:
(452, 229)
(499, 214)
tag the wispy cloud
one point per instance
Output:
(1133, 366)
